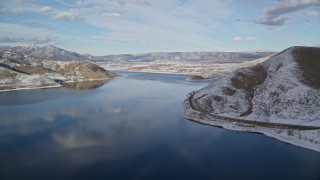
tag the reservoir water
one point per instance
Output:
(132, 128)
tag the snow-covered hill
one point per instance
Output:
(10, 80)
(23, 71)
(281, 91)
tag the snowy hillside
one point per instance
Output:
(10, 80)
(22, 71)
(283, 90)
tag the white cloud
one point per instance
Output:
(46, 9)
(148, 25)
(248, 38)
(111, 14)
(136, 2)
(70, 15)
(160, 25)
(19, 10)
(312, 14)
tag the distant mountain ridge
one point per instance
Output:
(197, 57)
(46, 52)
(54, 53)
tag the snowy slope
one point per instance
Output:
(283, 90)
(78, 70)
(11, 80)
(22, 71)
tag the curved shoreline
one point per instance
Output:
(270, 132)
(299, 135)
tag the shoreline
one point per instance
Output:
(156, 72)
(98, 79)
(27, 88)
(53, 86)
(173, 73)
(280, 134)
(61, 85)
(298, 135)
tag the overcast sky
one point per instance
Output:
(101, 27)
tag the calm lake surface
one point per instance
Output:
(132, 128)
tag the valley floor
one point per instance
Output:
(205, 70)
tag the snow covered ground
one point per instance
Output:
(207, 70)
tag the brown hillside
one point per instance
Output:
(308, 59)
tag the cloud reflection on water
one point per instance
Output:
(128, 125)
